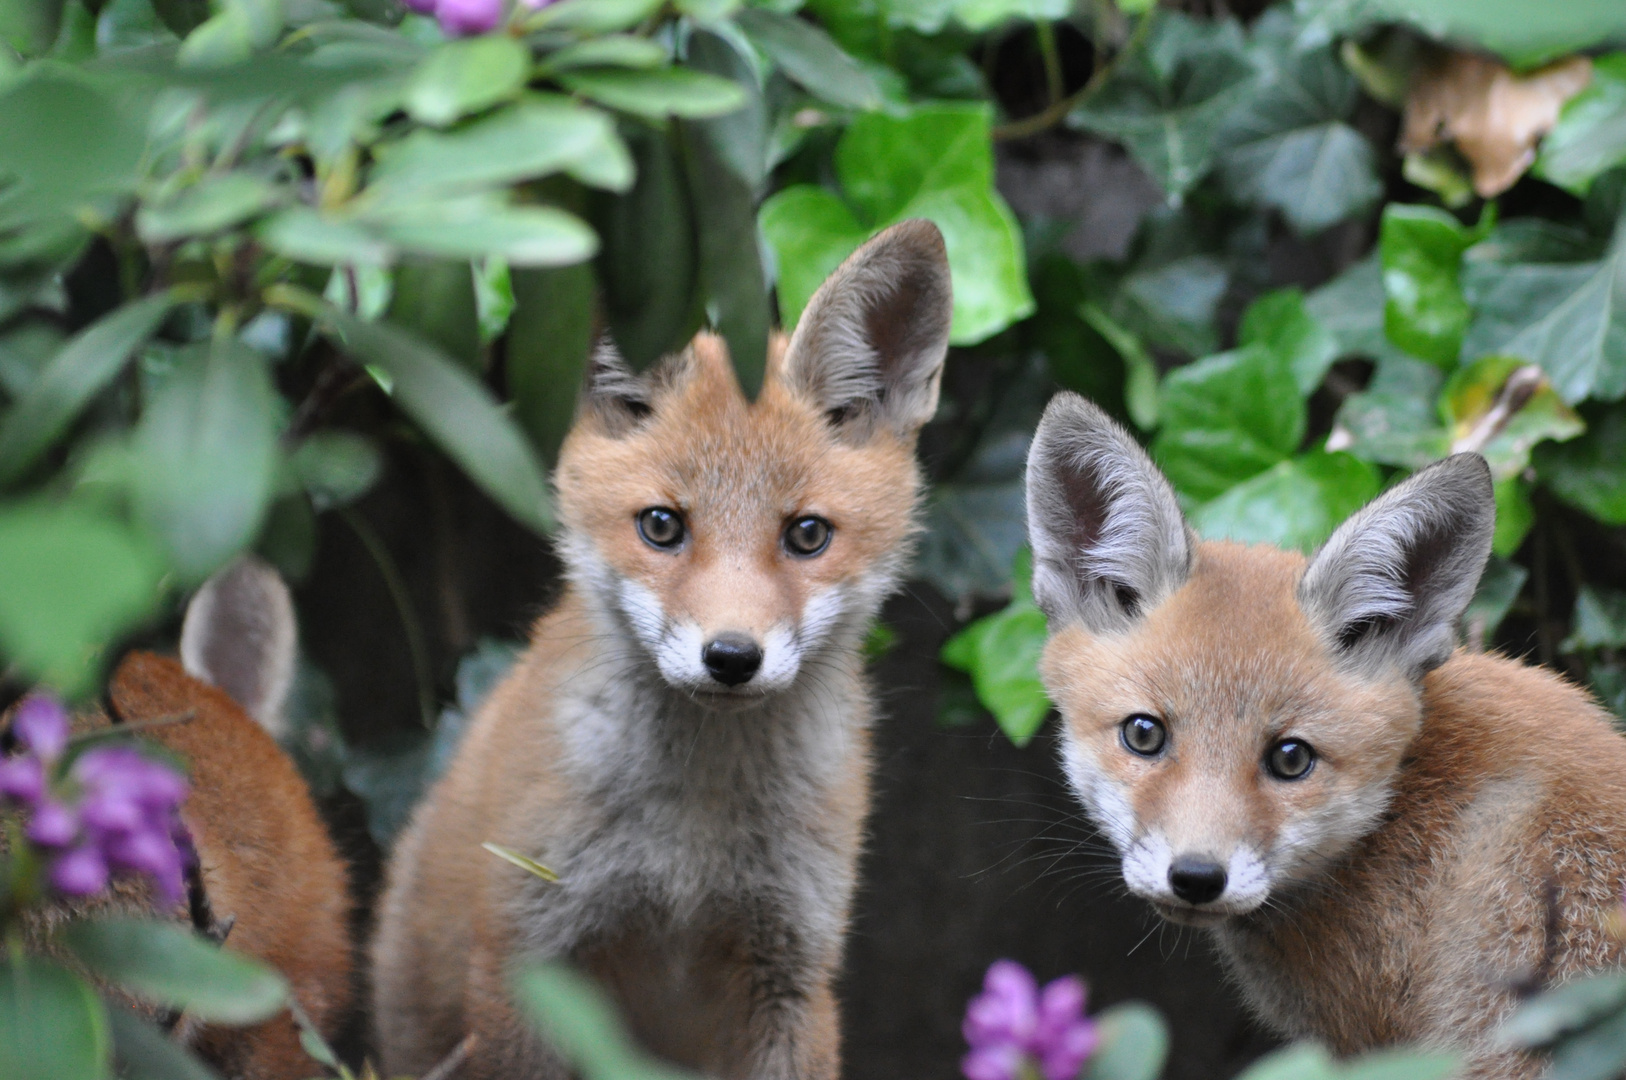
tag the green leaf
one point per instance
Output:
(1351, 308)
(71, 579)
(52, 1025)
(1586, 472)
(1590, 138)
(1525, 35)
(85, 366)
(1291, 149)
(1499, 587)
(1140, 370)
(171, 966)
(533, 138)
(1173, 303)
(182, 16)
(934, 163)
(478, 226)
(649, 266)
(659, 93)
(306, 235)
(1548, 1016)
(616, 50)
(1279, 321)
(1400, 1063)
(1302, 1061)
(577, 1018)
(455, 410)
(1515, 514)
(205, 455)
(1424, 312)
(549, 337)
(1134, 1044)
(214, 204)
(1395, 420)
(435, 300)
(336, 467)
(810, 57)
(1165, 101)
(463, 77)
(142, 1052)
(1226, 418)
(1471, 393)
(1599, 622)
(1295, 505)
(593, 16)
(1596, 1053)
(1001, 654)
(237, 30)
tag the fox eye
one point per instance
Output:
(807, 536)
(660, 527)
(1290, 759)
(1143, 734)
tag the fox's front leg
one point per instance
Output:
(793, 1026)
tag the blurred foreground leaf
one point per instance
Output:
(52, 1025)
(581, 1023)
(1134, 1044)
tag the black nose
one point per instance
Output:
(1196, 880)
(731, 658)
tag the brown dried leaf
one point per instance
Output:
(1495, 117)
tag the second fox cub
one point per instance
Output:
(1388, 837)
(686, 741)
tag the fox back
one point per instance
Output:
(1391, 839)
(686, 741)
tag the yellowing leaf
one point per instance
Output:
(524, 862)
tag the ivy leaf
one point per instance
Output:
(934, 163)
(1351, 308)
(1280, 321)
(1395, 420)
(1590, 137)
(810, 57)
(1226, 418)
(463, 77)
(1586, 472)
(1173, 303)
(1499, 587)
(1165, 102)
(52, 1025)
(1471, 393)
(1291, 149)
(1001, 654)
(1295, 505)
(1424, 312)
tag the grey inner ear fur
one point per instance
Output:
(870, 345)
(240, 635)
(1108, 537)
(1391, 584)
(611, 389)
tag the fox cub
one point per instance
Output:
(686, 742)
(1388, 837)
(269, 876)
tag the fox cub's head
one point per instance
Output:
(1234, 716)
(737, 541)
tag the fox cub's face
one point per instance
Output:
(737, 541)
(1234, 716)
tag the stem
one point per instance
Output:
(403, 610)
(1052, 115)
(1052, 60)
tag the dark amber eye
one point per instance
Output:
(1290, 759)
(660, 527)
(1145, 735)
(807, 536)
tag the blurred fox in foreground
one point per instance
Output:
(1389, 838)
(268, 875)
(686, 743)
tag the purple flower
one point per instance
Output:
(1015, 1030)
(42, 725)
(422, 7)
(460, 18)
(52, 825)
(80, 872)
(22, 780)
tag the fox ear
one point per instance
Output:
(870, 346)
(1390, 585)
(1109, 541)
(239, 634)
(613, 391)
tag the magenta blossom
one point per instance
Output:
(115, 811)
(462, 18)
(1019, 1032)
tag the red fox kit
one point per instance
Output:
(268, 870)
(686, 741)
(1388, 837)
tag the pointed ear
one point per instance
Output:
(1109, 541)
(1390, 585)
(869, 347)
(239, 634)
(612, 391)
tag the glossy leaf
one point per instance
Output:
(809, 56)
(657, 93)
(594, 16)
(1173, 303)
(549, 337)
(615, 50)
(1515, 515)
(1590, 138)
(205, 456)
(1525, 35)
(87, 364)
(581, 1023)
(1165, 103)
(1351, 308)
(463, 77)
(811, 232)
(479, 226)
(1587, 473)
(435, 300)
(237, 30)
(1280, 321)
(216, 203)
(1472, 392)
(1596, 1053)
(1295, 504)
(1001, 654)
(1291, 149)
(1599, 622)
(172, 966)
(1134, 1044)
(1395, 420)
(1424, 312)
(142, 1052)
(306, 235)
(52, 1025)
(1227, 418)
(456, 411)
(1499, 587)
